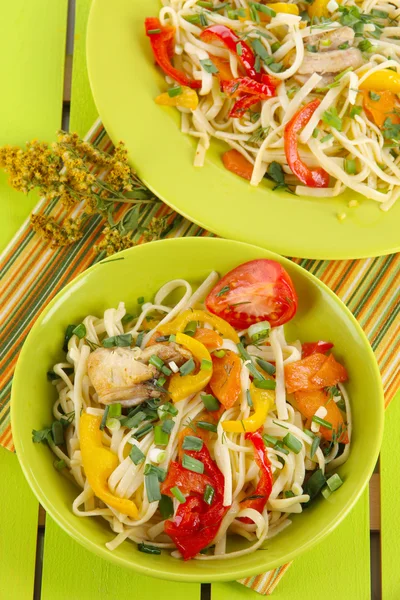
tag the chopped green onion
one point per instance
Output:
(59, 465)
(114, 410)
(310, 434)
(365, 46)
(165, 410)
(156, 361)
(67, 336)
(259, 331)
(160, 381)
(208, 65)
(187, 367)
(239, 50)
(156, 455)
(192, 464)
(270, 439)
(254, 14)
(207, 426)
(374, 96)
(343, 46)
(281, 448)
(314, 484)
(381, 14)
(350, 166)
(322, 422)
(264, 9)
(289, 494)
(146, 548)
(191, 328)
(127, 318)
(311, 48)
(266, 366)
(250, 365)
(136, 455)
(141, 432)
(210, 402)
(326, 492)
(163, 338)
(315, 132)
(135, 420)
(219, 353)
(331, 118)
(139, 339)
(209, 494)
(334, 482)
(276, 67)
(119, 341)
(208, 5)
(161, 438)
(326, 138)
(356, 110)
(172, 337)
(152, 487)
(292, 442)
(105, 417)
(113, 424)
(166, 507)
(175, 91)
(249, 399)
(280, 425)
(140, 300)
(151, 469)
(259, 49)
(166, 371)
(79, 331)
(190, 442)
(153, 31)
(168, 425)
(326, 42)
(206, 365)
(265, 384)
(178, 494)
(315, 445)
(275, 46)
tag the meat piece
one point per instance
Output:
(117, 376)
(167, 352)
(330, 62)
(337, 37)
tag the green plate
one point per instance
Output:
(140, 272)
(125, 82)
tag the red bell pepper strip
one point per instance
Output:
(187, 481)
(310, 177)
(225, 35)
(162, 44)
(243, 104)
(196, 523)
(312, 347)
(263, 89)
(259, 498)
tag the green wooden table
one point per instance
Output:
(44, 81)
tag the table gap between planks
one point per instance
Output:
(37, 559)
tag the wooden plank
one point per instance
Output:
(390, 503)
(18, 530)
(337, 568)
(32, 47)
(71, 571)
(83, 109)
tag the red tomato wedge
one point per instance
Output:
(259, 290)
(309, 348)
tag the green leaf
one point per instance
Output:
(41, 435)
(119, 341)
(129, 221)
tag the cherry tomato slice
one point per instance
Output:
(259, 290)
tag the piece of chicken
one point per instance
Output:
(330, 62)
(336, 37)
(123, 375)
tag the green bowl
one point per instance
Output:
(141, 271)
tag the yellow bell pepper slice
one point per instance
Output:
(179, 324)
(186, 99)
(99, 462)
(263, 401)
(319, 8)
(382, 81)
(182, 386)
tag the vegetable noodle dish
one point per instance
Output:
(192, 421)
(304, 93)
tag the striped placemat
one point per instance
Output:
(32, 273)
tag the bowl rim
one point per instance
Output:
(102, 551)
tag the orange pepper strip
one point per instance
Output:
(99, 462)
(381, 109)
(238, 164)
(308, 403)
(299, 373)
(225, 380)
(209, 338)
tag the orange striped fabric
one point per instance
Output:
(32, 273)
